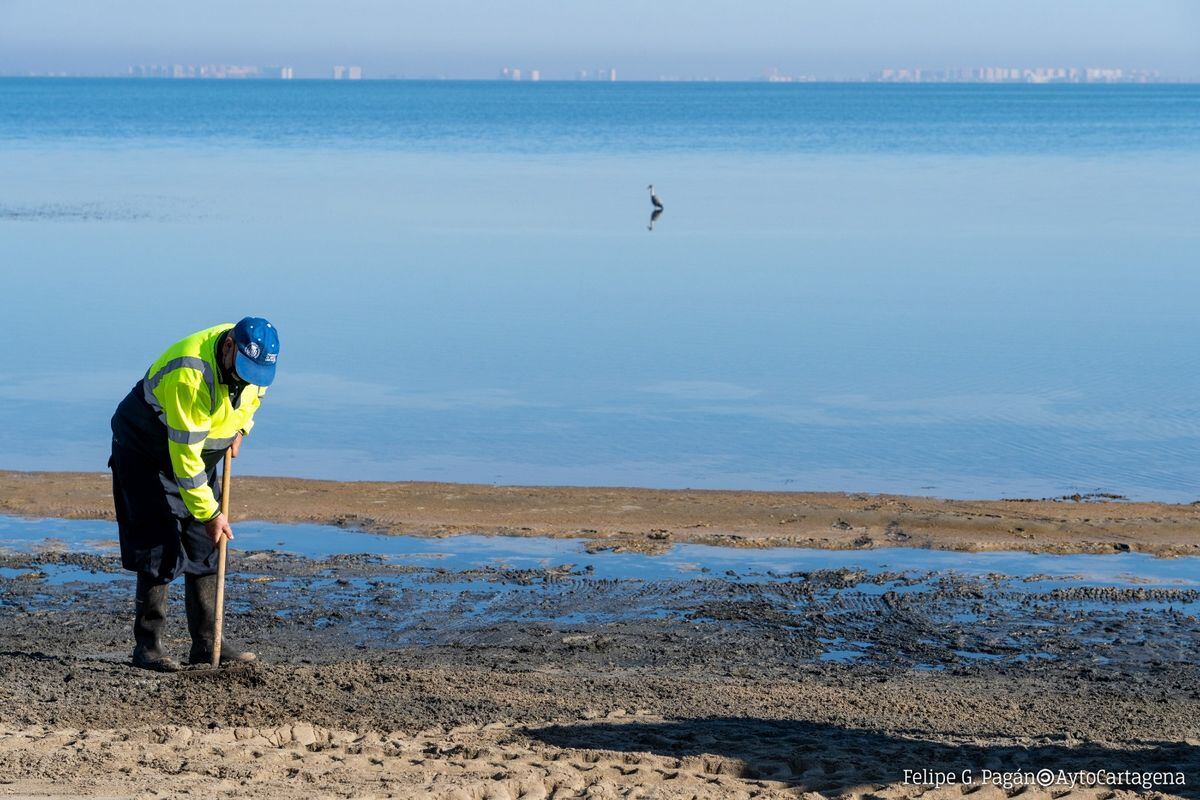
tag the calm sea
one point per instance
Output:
(953, 290)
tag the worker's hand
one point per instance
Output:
(237, 445)
(217, 527)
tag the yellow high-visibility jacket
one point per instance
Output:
(183, 386)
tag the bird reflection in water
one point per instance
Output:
(658, 208)
(654, 215)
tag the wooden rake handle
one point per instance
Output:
(219, 619)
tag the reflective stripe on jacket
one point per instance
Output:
(184, 388)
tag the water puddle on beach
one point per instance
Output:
(922, 608)
(680, 561)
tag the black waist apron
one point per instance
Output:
(159, 536)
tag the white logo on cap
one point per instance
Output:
(252, 349)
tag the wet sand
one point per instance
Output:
(381, 679)
(646, 518)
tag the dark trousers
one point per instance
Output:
(159, 537)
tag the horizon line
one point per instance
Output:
(575, 81)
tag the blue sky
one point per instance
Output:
(642, 38)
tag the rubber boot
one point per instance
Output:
(200, 595)
(149, 616)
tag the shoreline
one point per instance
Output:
(650, 520)
(450, 680)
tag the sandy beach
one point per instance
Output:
(382, 680)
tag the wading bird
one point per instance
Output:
(654, 201)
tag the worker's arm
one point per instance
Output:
(185, 402)
(250, 404)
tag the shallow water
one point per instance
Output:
(960, 291)
(679, 562)
(923, 609)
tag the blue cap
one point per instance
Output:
(257, 350)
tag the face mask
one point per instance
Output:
(235, 381)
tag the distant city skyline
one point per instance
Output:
(669, 39)
(512, 73)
